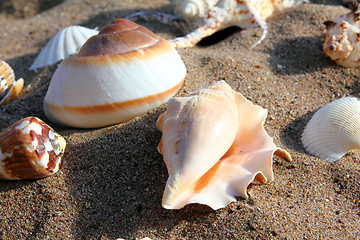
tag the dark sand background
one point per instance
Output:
(112, 179)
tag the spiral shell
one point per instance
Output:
(9, 88)
(214, 144)
(334, 129)
(122, 72)
(342, 41)
(63, 44)
(30, 149)
(193, 9)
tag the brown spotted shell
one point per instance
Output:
(30, 149)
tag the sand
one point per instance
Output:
(111, 180)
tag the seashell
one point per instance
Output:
(214, 145)
(202, 18)
(342, 39)
(122, 72)
(30, 149)
(63, 44)
(9, 88)
(334, 129)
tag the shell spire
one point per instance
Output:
(214, 144)
(342, 37)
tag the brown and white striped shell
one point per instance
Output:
(9, 88)
(30, 149)
(124, 71)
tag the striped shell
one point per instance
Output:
(122, 72)
(30, 149)
(342, 41)
(9, 88)
(214, 145)
(334, 129)
(63, 44)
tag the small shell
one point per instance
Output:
(7, 77)
(122, 72)
(214, 144)
(63, 44)
(9, 88)
(334, 129)
(30, 149)
(342, 39)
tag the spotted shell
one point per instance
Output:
(30, 149)
(334, 129)
(124, 71)
(63, 44)
(214, 145)
(9, 88)
(341, 39)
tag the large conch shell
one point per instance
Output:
(342, 39)
(334, 129)
(30, 149)
(124, 71)
(9, 88)
(63, 44)
(214, 145)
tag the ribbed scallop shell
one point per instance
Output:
(9, 88)
(30, 149)
(334, 129)
(342, 42)
(122, 72)
(214, 144)
(63, 44)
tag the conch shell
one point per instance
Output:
(334, 129)
(9, 88)
(124, 71)
(30, 149)
(342, 39)
(214, 145)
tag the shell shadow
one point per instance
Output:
(291, 56)
(118, 179)
(290, 135)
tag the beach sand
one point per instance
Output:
(111, 181)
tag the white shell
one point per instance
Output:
(334, 129)
(122, 72)
(63, 44)
(214, 145)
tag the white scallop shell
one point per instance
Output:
(334, 129)
(63, 44)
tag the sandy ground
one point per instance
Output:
(111, 181)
